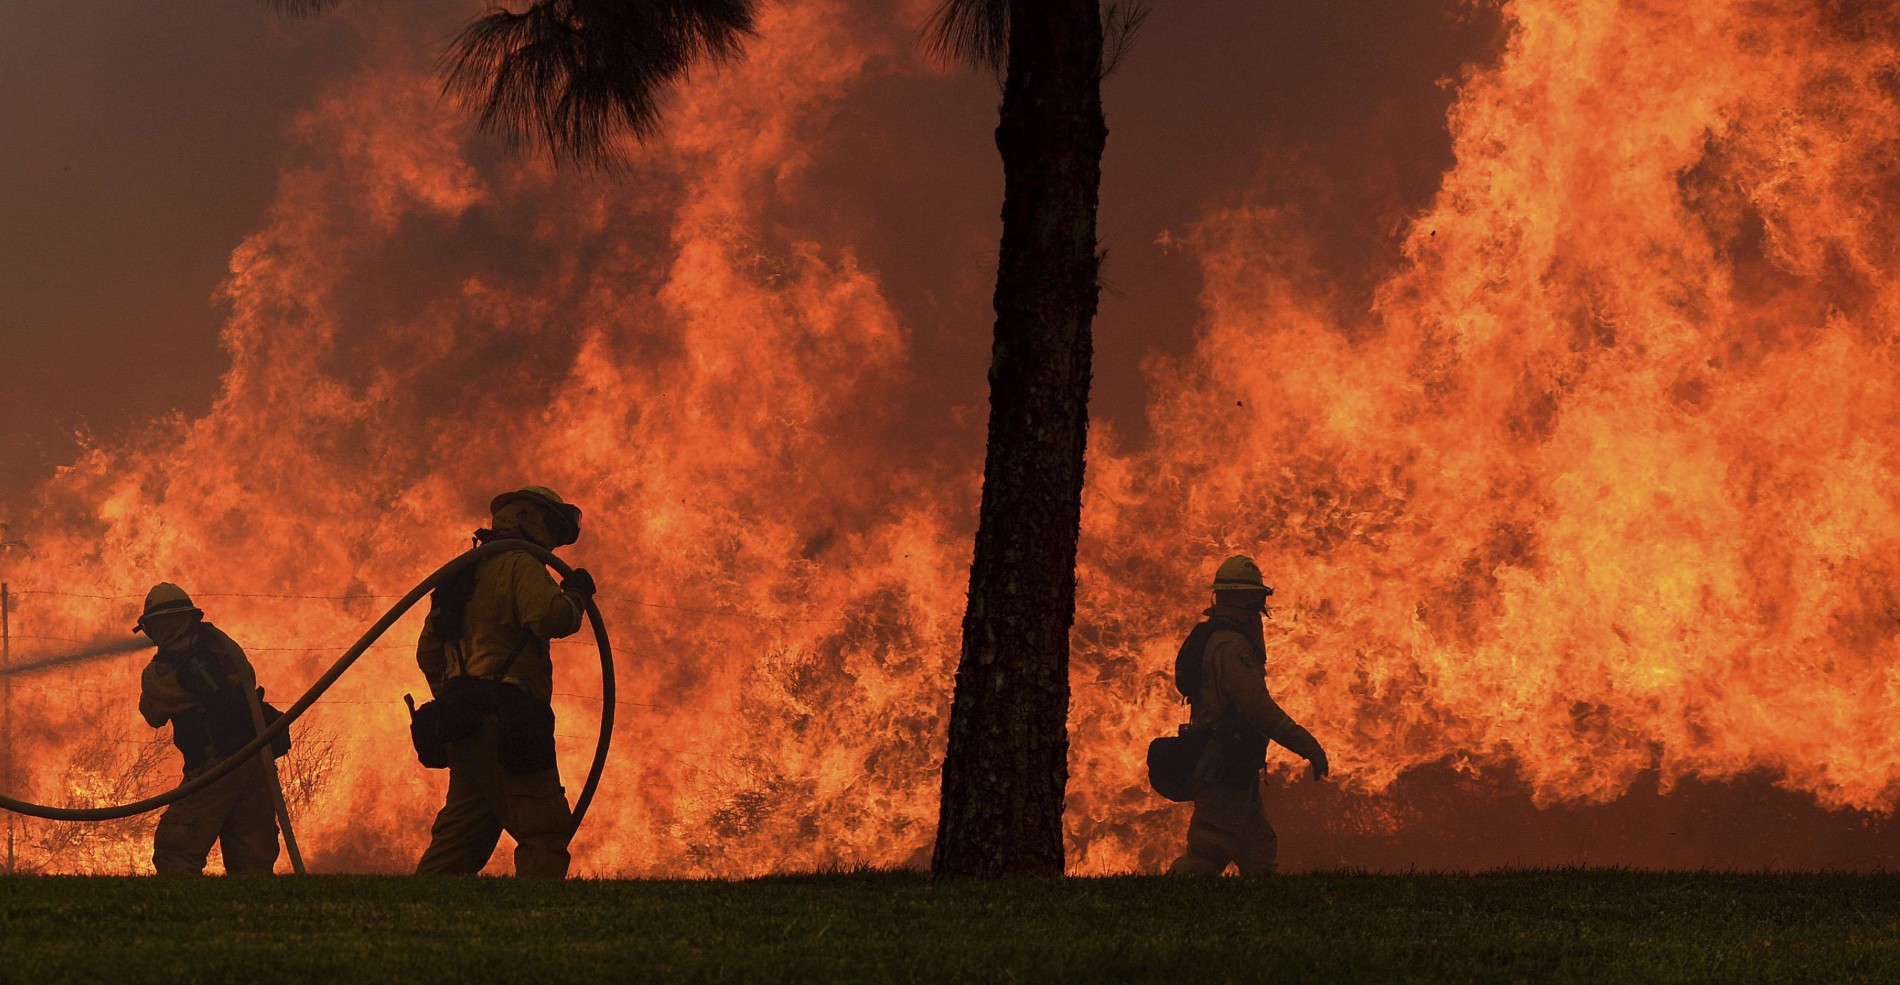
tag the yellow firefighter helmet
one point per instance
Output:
(165, 598)
(1239, 573)
(564, 518)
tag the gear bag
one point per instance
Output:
(1173, 761)
(428, 732)
(1201, 757)
(280, 743)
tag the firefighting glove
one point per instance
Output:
(580, 583)
(1296, 738)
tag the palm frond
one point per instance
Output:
(575, 76)
(970, 32)
(1121, 21)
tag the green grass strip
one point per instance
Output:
(1591, 926)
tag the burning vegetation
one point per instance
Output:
(1600, 492)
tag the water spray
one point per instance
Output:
(110, 647)
(330, 677)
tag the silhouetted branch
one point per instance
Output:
(577, 75)
(970, 32)
(1121, 21)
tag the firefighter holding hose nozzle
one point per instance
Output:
(484, 649)
(199, 681)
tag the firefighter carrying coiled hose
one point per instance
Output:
(484, 651)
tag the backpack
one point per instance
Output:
(448, 605)
(1190, 664)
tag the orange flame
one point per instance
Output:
(1605, 482)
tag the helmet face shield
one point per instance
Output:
(565, 528)
(170, 629)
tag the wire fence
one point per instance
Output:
(730, 613)
(95, 693)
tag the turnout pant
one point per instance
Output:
(235, 813)
(1230, 825)
(484, 800)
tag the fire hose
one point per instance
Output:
(303, 704)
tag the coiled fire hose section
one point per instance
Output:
(330, 677)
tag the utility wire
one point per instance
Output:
(731, 613)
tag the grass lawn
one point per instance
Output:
(1568, 925)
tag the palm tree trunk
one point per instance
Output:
(1007, 766)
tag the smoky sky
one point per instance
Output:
(141, 143)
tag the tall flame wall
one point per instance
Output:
(1600, 482)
